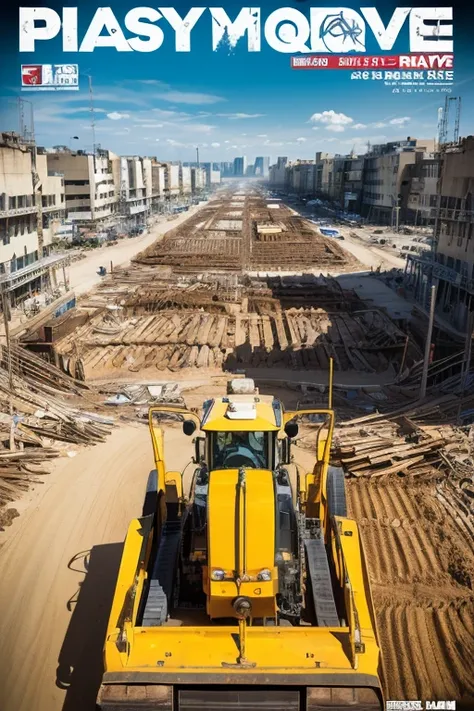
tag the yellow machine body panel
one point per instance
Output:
(241, 541)
(212, 650)
(219, 418)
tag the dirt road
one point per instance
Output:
(82, 275)
(50, 655)
(369, 255)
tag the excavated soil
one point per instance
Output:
(421, 567)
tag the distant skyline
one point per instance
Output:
(229, 103)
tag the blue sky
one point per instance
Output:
(228, 102)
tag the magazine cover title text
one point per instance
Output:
(287, 30)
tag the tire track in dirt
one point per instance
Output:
(421, 572)
(447, 635)
(467, 618)
(415, 657)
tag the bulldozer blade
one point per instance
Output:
(133, 697)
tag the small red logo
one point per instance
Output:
(31, 74)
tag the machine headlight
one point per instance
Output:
(218, 574)
(264, 575)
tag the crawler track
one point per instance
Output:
(422, 570)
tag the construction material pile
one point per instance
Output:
(376, 446)
(178, 339)
(239, 232)
(39, 421)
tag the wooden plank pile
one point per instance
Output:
(37, 417)
(397, 446)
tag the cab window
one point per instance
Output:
(240, 449)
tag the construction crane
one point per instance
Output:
(443, 120)
(251, 590)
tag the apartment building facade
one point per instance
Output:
(422, 177)
(352, 183)
(198, 179)
(301, 179)
(185, 180)
(32, 205)
(385, 183)
(323, 174)
(279, 174)
(90, 190)
(451, 265)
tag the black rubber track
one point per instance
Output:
(336, 492)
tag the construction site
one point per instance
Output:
(209, 298)
(244, 288)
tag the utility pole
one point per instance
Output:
(91, 100)
(466, 365)
(6, 313)
(426, 362)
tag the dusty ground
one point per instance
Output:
(50, 655)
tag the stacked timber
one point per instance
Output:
(38, 420)
(398, 447)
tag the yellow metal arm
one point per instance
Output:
(156, 433)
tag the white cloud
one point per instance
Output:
(165, 113)
(172, 142)
(240, 116)
(243, 134)
(157, 140)
(226, 141)
(149, 125)
(315, 128)
(332, 120)
(188, 97)
(378, 124)
(234, 146)
(215, 145)
(400, 121)
(262, 135)
(116, 116)
(301, 140)
(196, 127)
(359, 125)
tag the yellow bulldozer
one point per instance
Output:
(251, 591)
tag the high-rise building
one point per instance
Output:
(262, 166)
(240, 166)
(227, 169)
